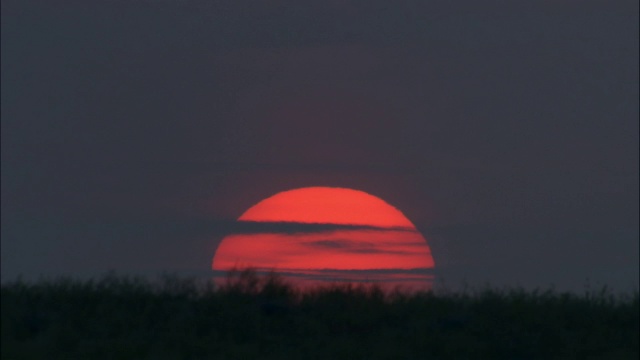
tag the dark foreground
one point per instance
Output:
(251, 318)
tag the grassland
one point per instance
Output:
(262, 318)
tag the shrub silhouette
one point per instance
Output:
(250, 316)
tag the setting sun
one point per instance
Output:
(361, 238)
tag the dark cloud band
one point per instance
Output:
(282, 227)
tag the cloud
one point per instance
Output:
(286, 227)
(356, 246)
(332, 244)
(196, 227)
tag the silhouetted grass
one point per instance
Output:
(263, 318)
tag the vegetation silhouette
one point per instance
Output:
(262, 317)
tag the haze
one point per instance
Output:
(135, 132)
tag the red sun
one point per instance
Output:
(360, 237)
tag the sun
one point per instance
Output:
(327, 205)
(351, 236)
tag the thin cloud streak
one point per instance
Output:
(284, 227)
(193, 227)
(356, 247)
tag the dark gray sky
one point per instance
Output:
(507, 131)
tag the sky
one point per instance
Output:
(135, 132)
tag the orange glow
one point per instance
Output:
(394, 243)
